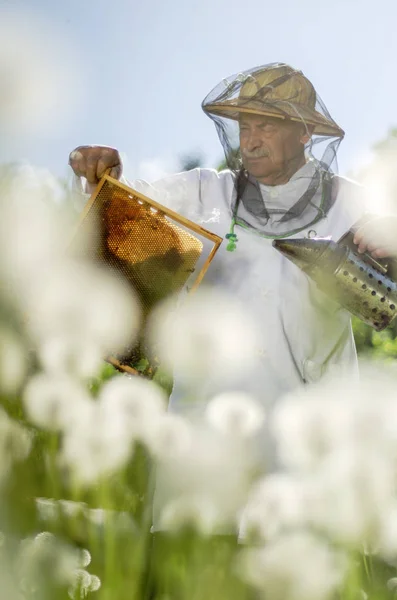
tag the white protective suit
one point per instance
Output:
(303, 334)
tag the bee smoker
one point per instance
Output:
(364, 286)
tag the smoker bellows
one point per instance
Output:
(361, 285)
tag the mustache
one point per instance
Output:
(257, 153)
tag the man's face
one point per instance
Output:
(272, 149)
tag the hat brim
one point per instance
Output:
(232, 109)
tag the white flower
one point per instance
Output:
(341, 438)
(208, 336)
(45, 556)
(210, 466)
(32, 230)
(392, 584)
(55, 402)
(38, 75)
(80, 585)
(72, 509)
(70, 354)
(85, 557)
(313, 424)
(277, 503)
(235, 413)
(351, 495)
(137, 401)
(48, 509)
(308, 429)
(195, 511)
(84, 301)
(386, 544)
(98, 444)
(95, 584)
(169, 437)
(297, 566)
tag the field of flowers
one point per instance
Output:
(105, 493)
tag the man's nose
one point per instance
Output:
(253, 141)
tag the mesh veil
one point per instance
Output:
(276, 91)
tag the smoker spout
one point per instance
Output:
(305, 253)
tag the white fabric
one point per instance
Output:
(283, 197)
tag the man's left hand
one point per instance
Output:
(378, 237)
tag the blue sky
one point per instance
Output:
(133, 74)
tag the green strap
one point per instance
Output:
(232, 237)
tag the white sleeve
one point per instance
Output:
(190, 193)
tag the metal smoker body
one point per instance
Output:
(360, 284)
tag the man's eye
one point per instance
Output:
(268, 127)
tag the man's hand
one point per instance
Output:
(91, 162)
(378, 237)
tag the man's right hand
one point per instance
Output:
(92, 162)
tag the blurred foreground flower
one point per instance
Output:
(235, 414)
(338, 442)
(296, 566)
(55, 402)
(204, 482)
(208, 338)
(39, 80)
(86, 307)
(44, 558)
(75, 312)
(138, 402)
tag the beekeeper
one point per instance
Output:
(280, 144)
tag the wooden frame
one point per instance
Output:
(217, 240)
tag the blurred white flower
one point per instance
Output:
(95, 584)
(80, 585)
(47, 509)
(320, 420)
(169, 437)
(276, 504)
(33, 231)
(199, 512)
(85, 557)
(387, 535)
(72, 509)
(340, 437)
(55, 402)
(70, 354)
(13, 362)
(98, 444)
(138, 402)
(210, 466)
(39, 81)
(87, 302)
(351, 495)
(208, 336)
(392, 584)
(45, 556)
(235, 413)
(295, 566)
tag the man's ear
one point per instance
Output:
(307, 134)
